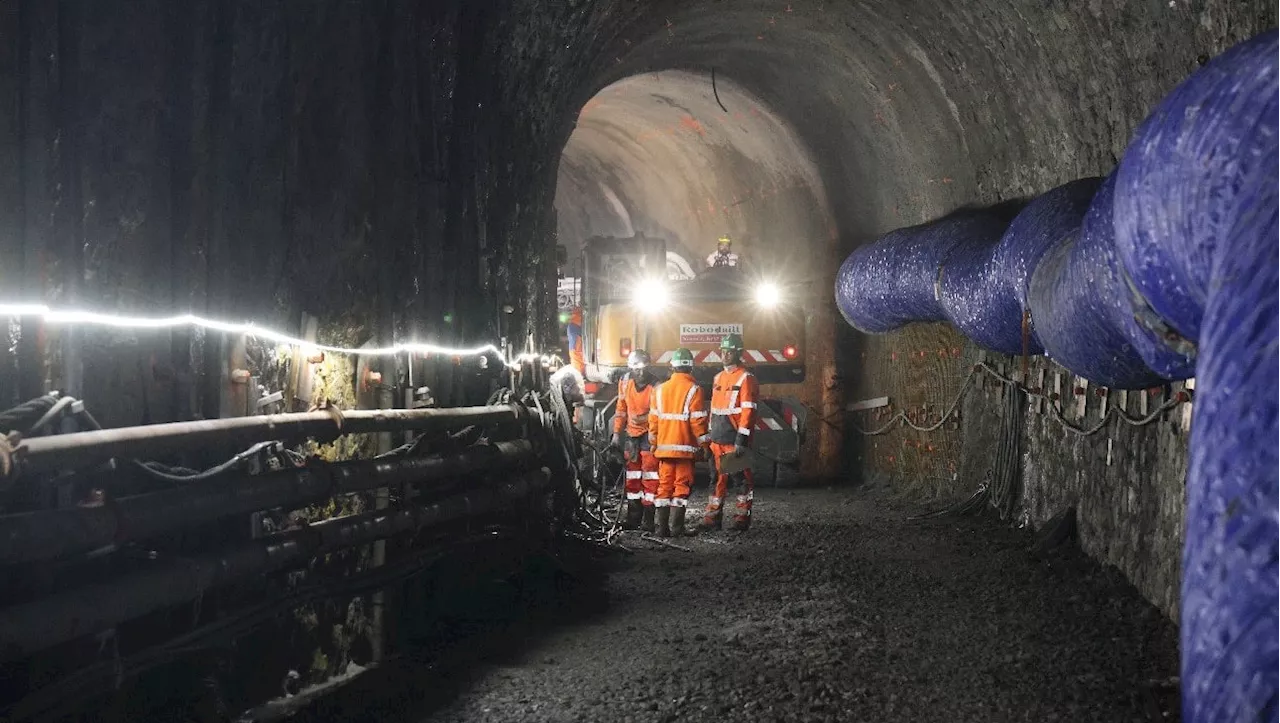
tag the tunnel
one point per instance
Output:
(291, 392)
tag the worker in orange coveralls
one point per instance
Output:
(677, 433)
(635, 397)
(734, 396)
(574, 332)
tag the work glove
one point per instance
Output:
(616, 441)
(740, 445)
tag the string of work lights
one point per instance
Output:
(91, 318)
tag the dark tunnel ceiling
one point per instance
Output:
(657, 154)
(848, 87)
(909, 108)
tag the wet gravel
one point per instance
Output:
(833, 607)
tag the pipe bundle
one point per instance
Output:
(1166, 270)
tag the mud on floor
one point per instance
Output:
(833, 607)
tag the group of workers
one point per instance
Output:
(664, 428)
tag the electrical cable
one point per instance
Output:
(75, 316)
(21, 418)
(1055, 405)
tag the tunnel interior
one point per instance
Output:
(376, 173)
(658, 155)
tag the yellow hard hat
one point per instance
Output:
(725, 240)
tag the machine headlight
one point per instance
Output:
(651, 295)
(768, 294)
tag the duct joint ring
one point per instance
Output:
(1148, 319)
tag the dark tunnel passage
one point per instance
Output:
(658, 155)
(367, 174)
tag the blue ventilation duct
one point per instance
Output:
(1171, 270)
(1078, 303)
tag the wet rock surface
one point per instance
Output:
(833, 607)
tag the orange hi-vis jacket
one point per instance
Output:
(633, 408)
(734, 395)
(678, 419)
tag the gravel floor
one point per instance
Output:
(833, 607)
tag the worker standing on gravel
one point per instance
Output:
(635, 397)
(733, 412)
(677, 433)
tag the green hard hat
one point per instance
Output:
(731, 341)
(682, 358)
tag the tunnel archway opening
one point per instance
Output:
(681, 156)
(660, 154)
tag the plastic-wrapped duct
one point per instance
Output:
(1077, 298)
(1187, 228)
(970, 289)
(889, 283)
(1040, 226)
(1196, 227)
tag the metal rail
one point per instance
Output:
(70, 451)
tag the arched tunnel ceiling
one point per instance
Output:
(658, 154)
(913, 108)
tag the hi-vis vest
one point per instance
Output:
(633, 408)
(733, 405)
(678, 418)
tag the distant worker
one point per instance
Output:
(635, 397)
(724, 255)
(677, 432)
(733, 412)
(574, 332)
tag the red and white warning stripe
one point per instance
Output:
(769, 423)
(712, 356)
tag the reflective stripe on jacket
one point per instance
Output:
(678, 418)
(734, 396)
(633, 408)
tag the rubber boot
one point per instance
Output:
(712, 519)
(742, 515)
(677, 523)
(634, 512)
(646, 519)
(664, 522)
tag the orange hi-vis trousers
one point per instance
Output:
(744, 488)
(675, 481)
(642, 478)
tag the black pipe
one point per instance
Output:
(30, 627)
(50, 534)
(69, 451)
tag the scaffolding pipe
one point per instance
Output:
(69, 451)
(40, 624)
(51, 534)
